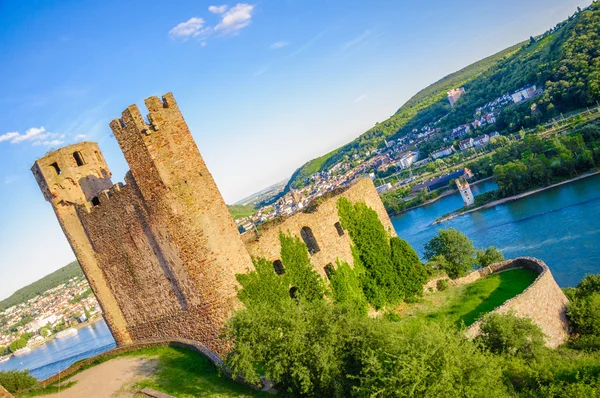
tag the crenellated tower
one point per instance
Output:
(161, 251)
(74, 176)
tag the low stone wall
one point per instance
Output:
(543, 301)
(4, 393)
(79, 365)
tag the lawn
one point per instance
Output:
(467, 303)
(180, 372)
(184, 373)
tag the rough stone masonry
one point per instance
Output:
(161, 251)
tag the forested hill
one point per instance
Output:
(50, 281)
(564, 62)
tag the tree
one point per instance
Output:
(511, 335)
(455, 248)
(489, 256)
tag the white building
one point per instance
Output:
(440, 153)
(407, 160)
(465, 192)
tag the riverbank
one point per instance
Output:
(512, 198)
(444, 194)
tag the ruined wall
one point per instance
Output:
(4, 393)
(322, 224)
(543, 301)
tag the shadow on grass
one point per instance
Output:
(484, 295)
(511, 283)
(184, 373)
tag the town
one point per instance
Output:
(55, 313)
(394, 165)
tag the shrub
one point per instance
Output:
(346, 288)
(390, 269)
(16, 380)
(455, 248)
(490, 256)
(441, 285)
(511, 335)
(584, 314)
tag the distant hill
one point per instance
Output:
(563, 62)
(372, 138)
(50, 281)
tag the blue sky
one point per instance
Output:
(264, 86)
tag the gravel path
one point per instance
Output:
(109, 379)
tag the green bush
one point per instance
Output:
(319, 349)
(390, 269)
(511, 335)
(441, 285)
(584, 314)
(455, 248)
(490, 256)
(346, 287)
(300, 272)
(16, 380)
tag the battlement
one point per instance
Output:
(132, 116)
(75, 173)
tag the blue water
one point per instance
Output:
(49, 359)
(560, 226)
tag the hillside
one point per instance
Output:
(564, 62)
(240, 211)
(423, 99)
(50, 281)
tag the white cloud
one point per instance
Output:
(278, 44)
(193, 27)
(8, 136)
(36, 135)
(80, 137)
(218, 9)
(236, 18)
(357, 40)
(232, 20)
(360, 98)
(52, 143)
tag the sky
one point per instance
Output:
(264, 86)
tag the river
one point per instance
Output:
(561, 226)
(57, 355)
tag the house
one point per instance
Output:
(524, 93)
(407, 160)
(466, 144)
(440, 153)
(481, 140)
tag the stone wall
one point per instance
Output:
(543, 301)
(322, 223)
(4, 393)
(161, 252)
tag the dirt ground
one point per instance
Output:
(109, 379)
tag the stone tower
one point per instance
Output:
(465, 191)
(164, 242)
(72, 176)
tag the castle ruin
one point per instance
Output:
(161, 251)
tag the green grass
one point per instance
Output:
(184, 373)
(241, 211)
(180, 372)
(465, 304)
